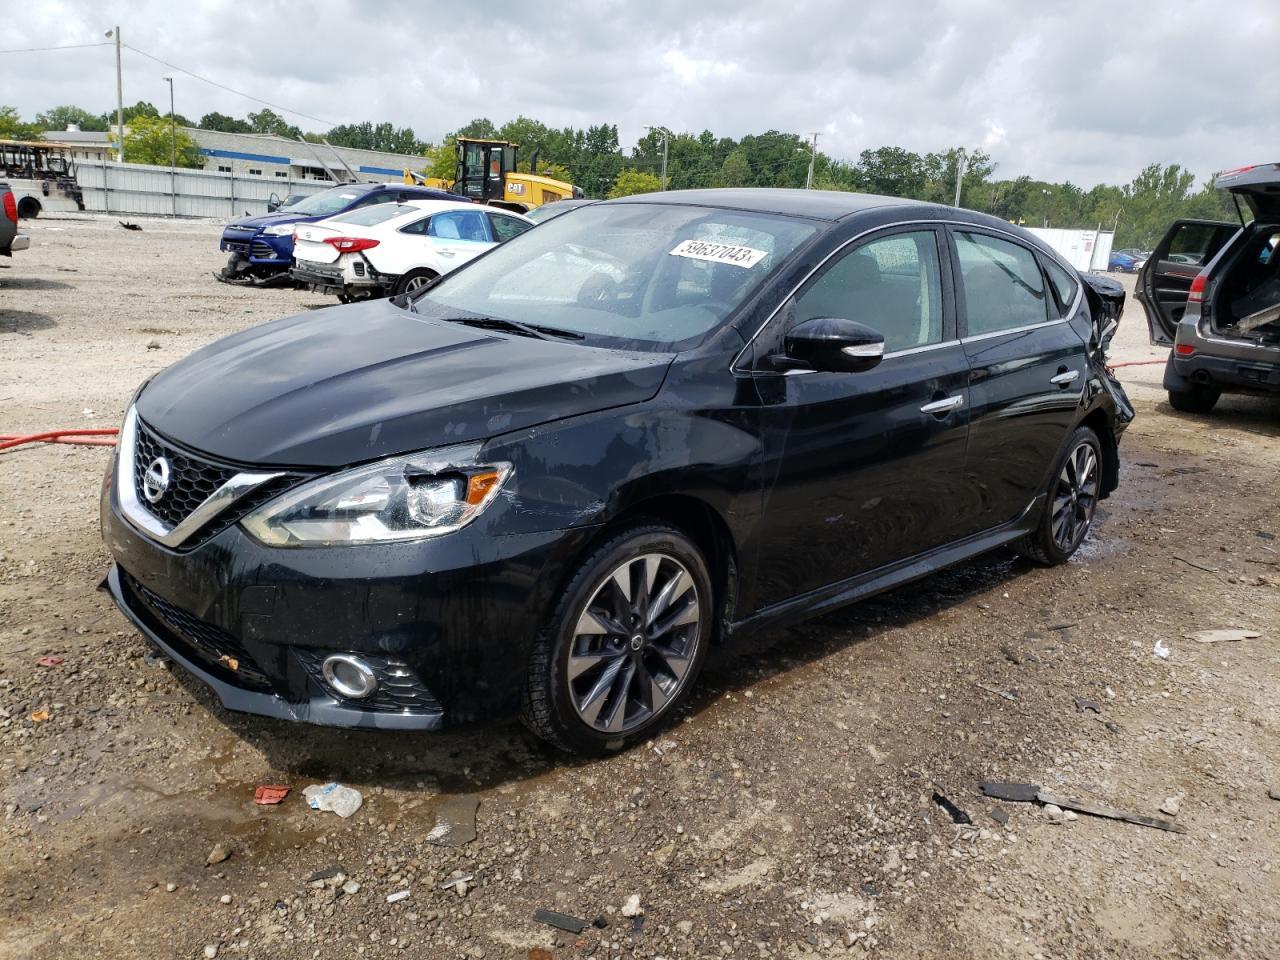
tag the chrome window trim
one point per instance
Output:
(154, 527)
(1025, 328)
(1075, 304)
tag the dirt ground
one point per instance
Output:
(790, 813)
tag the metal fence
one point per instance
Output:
(124, 188)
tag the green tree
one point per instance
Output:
(442, 160)
(59, 118)
(376, 136)
(151, 140)
(481, 128)
(735, 171)
(265, 120)
(224, 124)
(634, 181)
(12, 127)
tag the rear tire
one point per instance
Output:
(1073, 496)
(414, 280)
(28, 208)
(1199, 399)
(624, 645)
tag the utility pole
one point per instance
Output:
(119, 98)
(813, 152)
(961, 159)
(665, 134)
(173, 149)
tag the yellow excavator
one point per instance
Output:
(487, 172)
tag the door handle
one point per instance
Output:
(447, 253)
(1065, 377)
(943, 406)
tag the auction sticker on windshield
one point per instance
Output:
(719, 253)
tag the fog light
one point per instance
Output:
(349, 676)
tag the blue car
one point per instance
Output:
(1126, 261)
(261, 248)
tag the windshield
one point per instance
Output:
(376, 214)
(650, 276)
(327, 202)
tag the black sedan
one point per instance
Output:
(556, 478)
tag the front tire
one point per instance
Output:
(1073, 498)
(1199, 399)
(625, 644)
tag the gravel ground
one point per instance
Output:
(789, 813)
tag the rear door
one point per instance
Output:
(458, 236)
(1026, 371)
(1165, 280)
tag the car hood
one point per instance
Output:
(349, 384)
(270, 219)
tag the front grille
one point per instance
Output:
(216, 648)
(192, 479)
(261, 251)
(399, 689)
(237, 247)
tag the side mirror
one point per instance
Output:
(834, 345)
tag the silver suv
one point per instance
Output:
(1212, 291)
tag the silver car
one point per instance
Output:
(1212, 291)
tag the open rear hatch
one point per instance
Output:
(1258, 186)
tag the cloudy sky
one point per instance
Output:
(1089, 95)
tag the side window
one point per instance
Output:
(891, 284)
(504, 228)
(1063, 284)
(463, 225)
(1195, 244)
(375, 196)
(417, 228)
(1003, 286)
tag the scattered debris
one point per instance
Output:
(397, 896)
(455, 822)
(1233, 635)
(1198, 566)
(39, 716)
(1000, 816)
(464, 879)
(1171, 806)
(561, 921)
(344, 801)
(1064, 626)
(210, 949)
(328, 873)
(170, 887)
(225, 899)
(155, 659)
(218, 854)
(632, 908)
(350, 888)
(1083, 705)
(1053, 813)
(1274, 793)
(49, 661)
(269, 796)
(540, 953)
(1007, 694)
(153, 344)
(957, 815)
(1031, 793)
(600, 922)
(1161, 650)
(134, 226)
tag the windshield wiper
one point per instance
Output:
(515, 326)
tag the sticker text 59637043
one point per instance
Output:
(719, 253)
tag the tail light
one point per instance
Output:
(351, 244)
(1184, 349)
(1196, 293)
(10, 207)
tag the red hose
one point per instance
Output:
(87, 438)
(1134, 363)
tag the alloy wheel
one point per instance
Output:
(1075, 497)
(634, 643)
(416, 283)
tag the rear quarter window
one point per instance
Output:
(1002, 282)
(1064, 284)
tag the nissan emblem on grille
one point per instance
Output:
(156, 480)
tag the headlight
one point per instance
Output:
(279, 230)
(404, 498)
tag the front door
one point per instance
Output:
(1027, 372)
(458, 236)
(1165, 280)
(860, 469)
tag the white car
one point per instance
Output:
(393, 248)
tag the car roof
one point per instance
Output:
(815, 204)
(438, 206)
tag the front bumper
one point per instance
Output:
(259, 249)
(253, 622)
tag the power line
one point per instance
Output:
(220, 86)
(69, 46)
